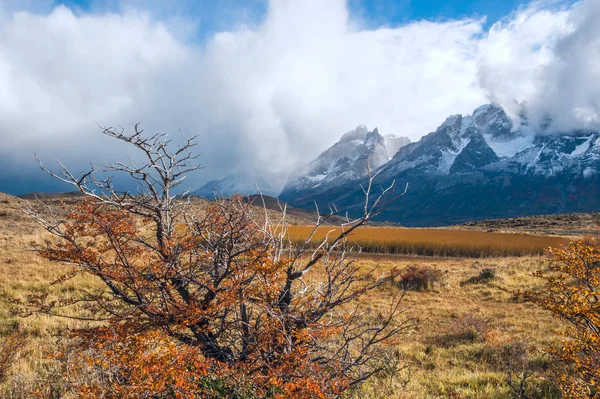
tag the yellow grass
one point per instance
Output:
(436, 242)
(440, 365)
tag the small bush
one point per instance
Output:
(523, 372)
(420, 278)
(487, 274)
(484, 276)
(468, 328)
(472, 328)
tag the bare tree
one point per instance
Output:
(221, 288)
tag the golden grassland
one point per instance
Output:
(436, 242)
(441, 363)
(445, 358)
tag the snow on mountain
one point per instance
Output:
(475, 166)
(488, 140)
(351, 158)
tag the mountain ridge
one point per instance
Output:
(480, 166)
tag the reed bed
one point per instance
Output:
(436, 242)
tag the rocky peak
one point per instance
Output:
(352, 157)
(492, 120)
(357, 134)
(374, 139)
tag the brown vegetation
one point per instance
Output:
(437, 242)
(572, 293)
(564, 224)
(437, 369)
(210, 305)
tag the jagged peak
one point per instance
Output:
(486, 108)
(374, 138)
(357, 134)
(451, 121)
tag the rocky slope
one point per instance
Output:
(358, 152)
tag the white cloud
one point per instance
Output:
(270, 96)
(547, 60)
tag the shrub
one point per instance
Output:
(471, 327)
(468, 328)
(207, 304)
(420, 278)
(572, 293)
(484, 276)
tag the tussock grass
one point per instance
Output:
(437, 242)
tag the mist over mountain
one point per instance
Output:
(239, 183)
(351, 158)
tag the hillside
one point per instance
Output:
(12, 217)
(567, 224)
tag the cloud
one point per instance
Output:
(265, 96)
(547, 60)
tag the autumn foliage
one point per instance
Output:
(209, 303)
(9, 351)
(572, 293)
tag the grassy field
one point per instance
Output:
(437, 242)
(469, 329)
(457, 350)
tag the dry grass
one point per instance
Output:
(458, 350)
(437, 242)
(444, 361)
(564, 224)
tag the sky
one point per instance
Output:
(268, 85)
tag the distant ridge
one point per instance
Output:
(36, 195)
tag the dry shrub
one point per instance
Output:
(572, 293)
(524, 373)
(468, 328)
(486, 275)
(420, 278)
(212, 304)
(472, 327)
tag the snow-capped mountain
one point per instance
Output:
(487, 141)
(351, 158)
(238, 184)
(482, 166)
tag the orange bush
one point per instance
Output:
(210, 304)
(572, 293)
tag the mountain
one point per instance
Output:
(351, 158)
(481, 166)
(239, 183)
